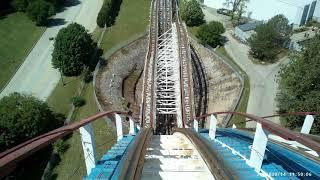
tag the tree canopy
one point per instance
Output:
(269, 38)
(23, 117)
(191, 13)
(108, 13)
(40, 11)
(73, 49)
(238, 8)
(211, 33)
(299, 85)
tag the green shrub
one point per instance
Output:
(78, 101)
(87, 75)
(211, 33)
(60, 146)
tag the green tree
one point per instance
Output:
(191, 13)
(23, 117)
(108, 13)
(262, 44)
(270, 37)
(211, 33)
(20, 5)
(105, 15)
(281, 25)
(73, 49)
(39, 11)
(299, 85)
(237, 7)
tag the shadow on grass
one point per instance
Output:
(3, 17)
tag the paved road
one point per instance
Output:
(263, 84)
(36, 75)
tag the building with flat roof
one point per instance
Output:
(298, 12)
(244, 31)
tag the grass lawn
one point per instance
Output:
(193, 30)
(242, 106)
(133, 19)
(18, 34)
(60, 98)
(72, 164)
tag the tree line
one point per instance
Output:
(38, 11)
(299, 85)
(108, 13)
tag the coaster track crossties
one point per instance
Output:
(167, 97)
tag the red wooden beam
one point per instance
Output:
(276, 128)
(10, 158)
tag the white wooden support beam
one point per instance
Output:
(258, 148)
(131, 126)
(88, 145)
(195, 125)
(307, 125)
(213, 127)
(119, 127)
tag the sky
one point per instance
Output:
(265, 9)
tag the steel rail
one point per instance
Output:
(10, 158)
(275, 129)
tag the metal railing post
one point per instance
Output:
(258, 147)
(119, 127)
(307, 125)
(195, 125)
(88, 145)
(132, 126)
(213, 127)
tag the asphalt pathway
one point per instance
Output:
(36, 75)
(263, 78)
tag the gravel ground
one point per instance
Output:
(223, 84)
(118, 86)
(36, 75)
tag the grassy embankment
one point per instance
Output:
(18, 35)
(132, 19)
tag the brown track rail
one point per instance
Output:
(134, 158)
(10, 158)
(185, 73)
(148, 100)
